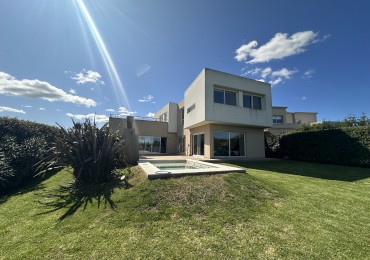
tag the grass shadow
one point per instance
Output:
(315, 170)
(72, 198)
(32, 185)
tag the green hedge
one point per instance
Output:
(345, 146)
(22, 144)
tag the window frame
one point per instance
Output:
(224, 96)
(252, 103)
(274, 119)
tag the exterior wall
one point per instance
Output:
(305, 117)
(239, 115)
(254, 139)
(146, 128)
(291, 120)
(172, 112)
(195, 95)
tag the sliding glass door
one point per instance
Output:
(198, 144)
(228, 144)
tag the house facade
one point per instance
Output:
(284, 121)
(221, 116)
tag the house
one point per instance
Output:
(284, 121)
(221, 116)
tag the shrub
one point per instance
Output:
(22, 144)
(345, 146)
(93, 153)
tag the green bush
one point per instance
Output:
(345, 146)
(22, 144)
(93, 153)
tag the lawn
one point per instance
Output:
(278, 209)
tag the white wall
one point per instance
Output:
(172, 111)
(239, 115)
(195, 94)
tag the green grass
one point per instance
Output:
(279, 209)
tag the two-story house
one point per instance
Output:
(221, 116)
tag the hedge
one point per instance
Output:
(344, 146)
(22, 144)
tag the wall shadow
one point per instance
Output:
(315, 170)
(72, 198)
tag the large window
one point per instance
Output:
(151, 144)
(182, 116)
(228, 144)
(277, 119)
(251, 101)
(226, 97)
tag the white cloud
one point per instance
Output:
(150, 114)
(265, 72)
(11, 110)
(308, 74)
(275, 81)
(27, 106)
(273, 77)
(42, 108)
(252, 71)
(72, 91)
(87, 76)
(125, 112)
(284, 73)
(9, 85)
(98, 118)
(280, 46)
(147, 98)
(109, 110)
(303, 98)
(59, 110)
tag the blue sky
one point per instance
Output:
(74, 58)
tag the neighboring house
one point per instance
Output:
(284, 121)
(221, 116)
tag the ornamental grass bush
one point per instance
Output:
(92, 153)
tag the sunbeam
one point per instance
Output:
(109, 64)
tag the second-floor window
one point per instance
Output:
(251, 101)
(277, 119)
(223, 96)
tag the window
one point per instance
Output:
(198, 144)
(247, 101)
(257, 102)
(277, 119)
(182, 116)
(224, 97)
(228, 144)
(230, 98)
(151, 144)
(251, 101)
(218, 96)
(191, 108)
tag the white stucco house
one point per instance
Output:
(221, 116)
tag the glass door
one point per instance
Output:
(198, 144)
